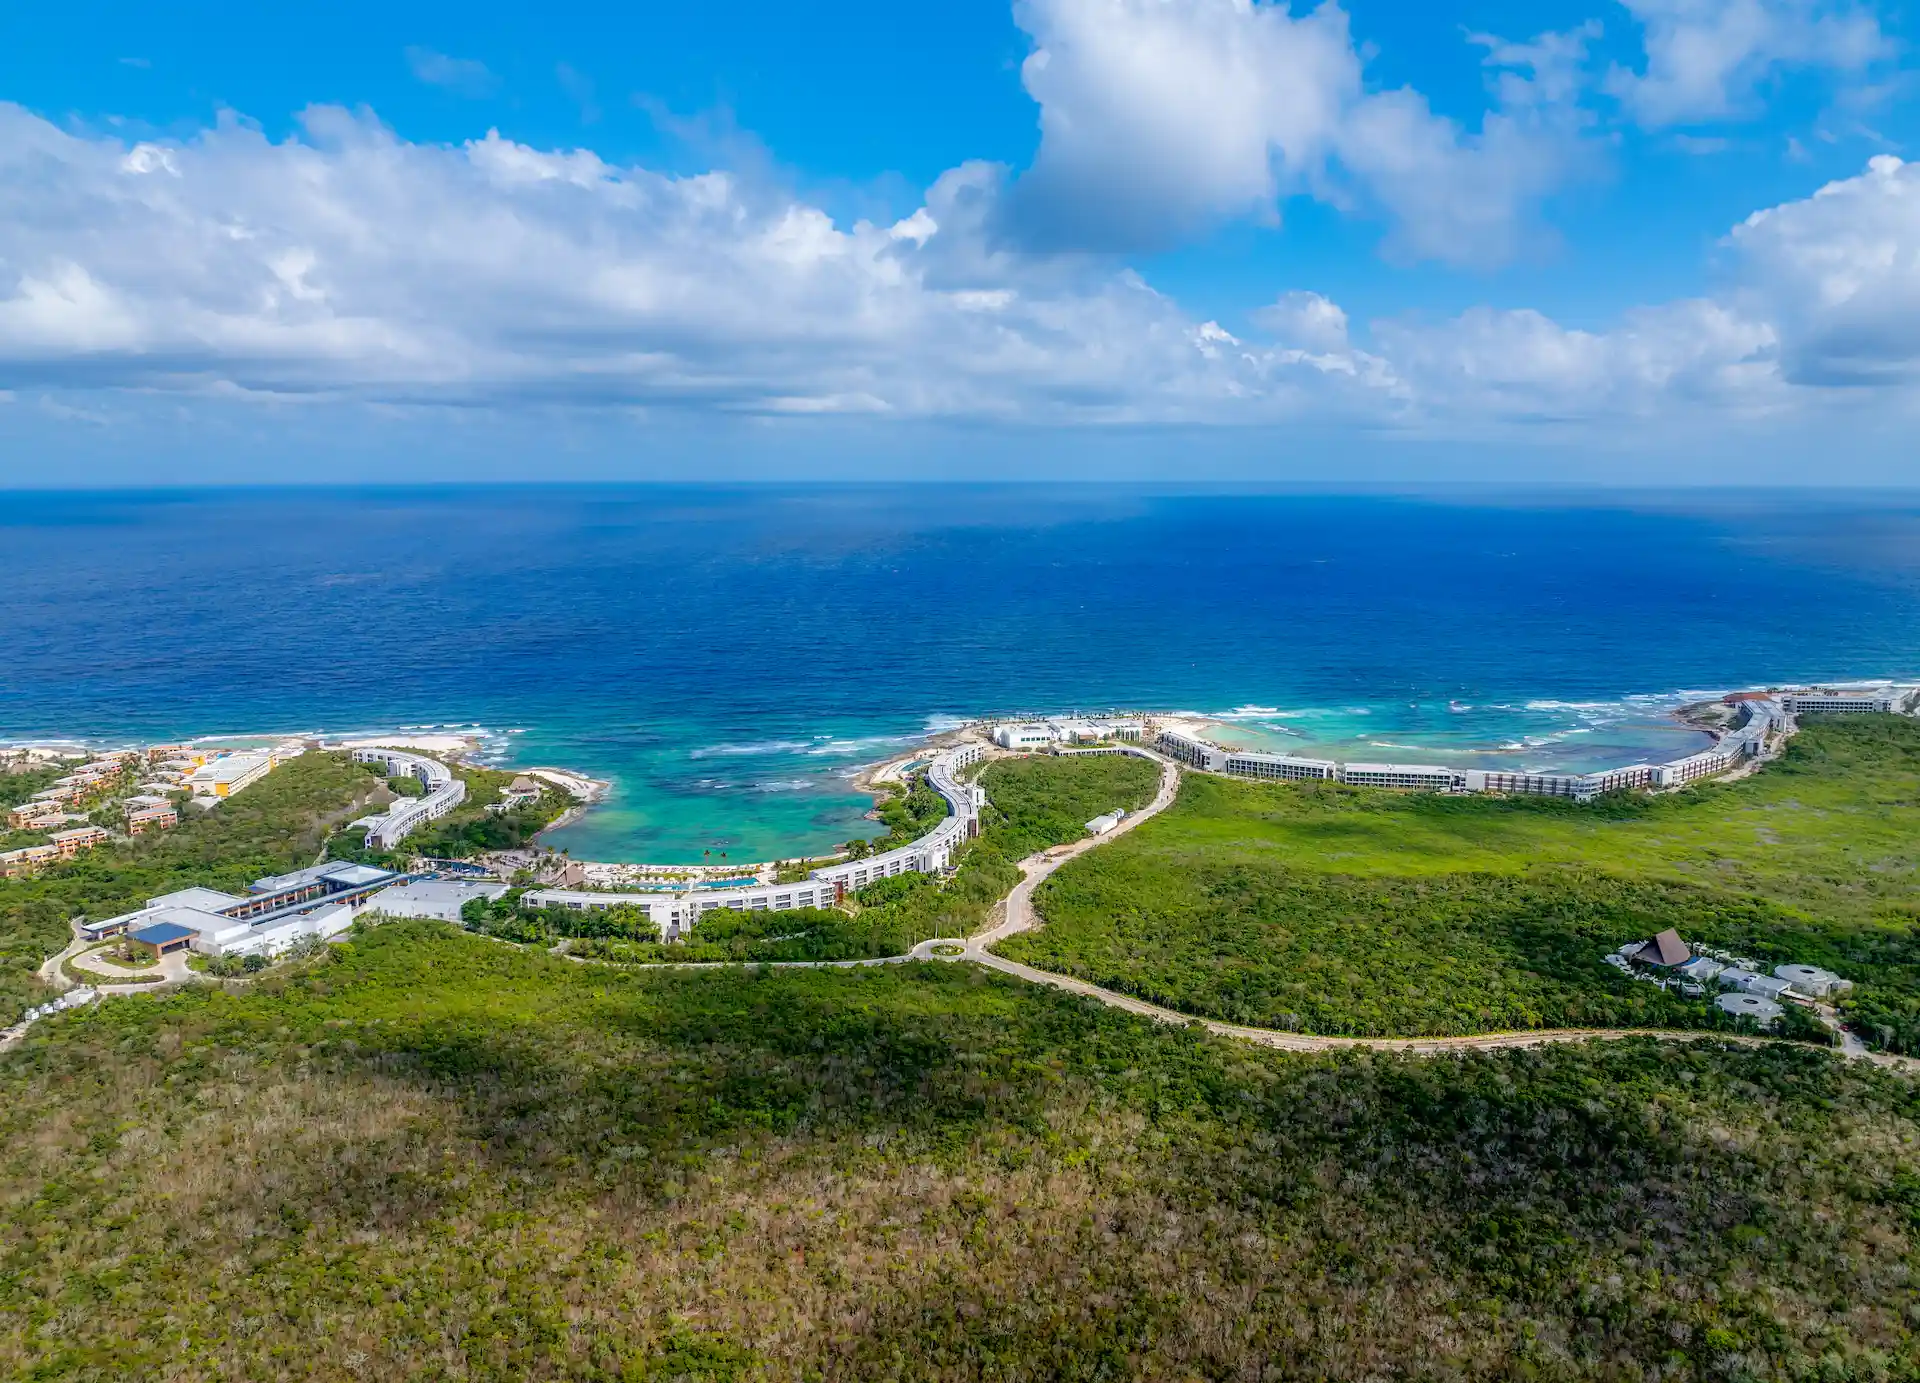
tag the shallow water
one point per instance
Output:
(726, 656)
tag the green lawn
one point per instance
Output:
(430, 1156)
(1340, 910)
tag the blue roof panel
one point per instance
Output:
(160, 933)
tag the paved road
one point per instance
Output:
(50, 971)
(172, 969)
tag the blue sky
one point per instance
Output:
(1665, 239)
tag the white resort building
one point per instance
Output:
(676, 913)
(1031, 735)
(1419, 777)
(1848, 701)
(444, 793)
(1195, 753)
(1762, 720)
(1035, 734)
(1287, 767)
(276, 912)
(229, 774)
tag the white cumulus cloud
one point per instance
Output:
(347, 263)
(1706, 60)
(1160, 118)
(1308, 321)
(1840, 272)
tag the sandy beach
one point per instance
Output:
(457, 746)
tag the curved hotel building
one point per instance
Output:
(677, 913)
(1761, 720)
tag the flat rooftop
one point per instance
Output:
(345, 873)
(202, 899)
(446, 891)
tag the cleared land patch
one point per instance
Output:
(1347, 911)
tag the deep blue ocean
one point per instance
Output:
(726, 656)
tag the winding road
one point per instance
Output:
(1018, 915)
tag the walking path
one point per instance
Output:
(1018, 916)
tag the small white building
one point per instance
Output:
(1027, 735)
(1761, 1010)
(1105, 822)
(1751, 982)
(1700, 970)
(1810, 981)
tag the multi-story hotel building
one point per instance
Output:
(1622, 779)
(229, 774)
(1286, 767)
(444, 793)
(1848, 701)
(1195, 753)
(159, 817)
(71, 843)
(27, 859)
(1420, 777)
(1694, 767)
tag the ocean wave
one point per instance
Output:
(1276, 713)
(783, 785)
(943, 724)
(861, 744)
(729, 751)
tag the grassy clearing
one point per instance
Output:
(1340, 910)
(431, 1156)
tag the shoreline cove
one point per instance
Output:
(1251, 728)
